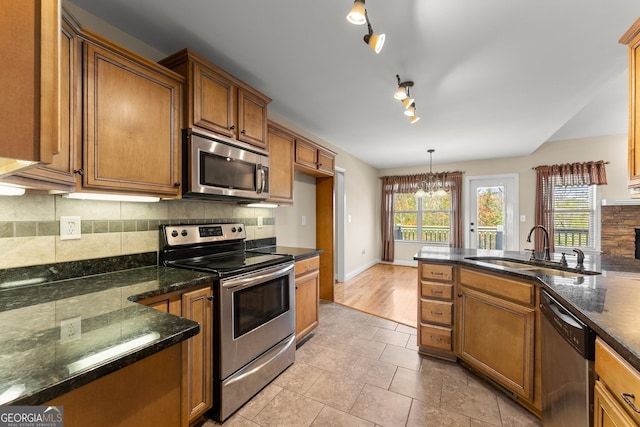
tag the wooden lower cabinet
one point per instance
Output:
(146, 393)
(497, 328)
(197, 355)
(616, 378)
(307, 296)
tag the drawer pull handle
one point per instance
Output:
(436, 313)
(627, 398)
(436, 291)
(436, 273)
(435, 339)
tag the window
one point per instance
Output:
(423, 219)
(575, 217)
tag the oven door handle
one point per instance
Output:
(252, 279)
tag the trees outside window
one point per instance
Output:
(423, 219)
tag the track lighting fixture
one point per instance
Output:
(375, 41)
(403, 87)
(413, 119)
(356, 14)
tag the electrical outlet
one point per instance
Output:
(260, 222)
(71, 329)
(70, 227)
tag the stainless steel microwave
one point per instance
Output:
(219, 168)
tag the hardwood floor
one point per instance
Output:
(384, 290)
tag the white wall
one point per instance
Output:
(612, 148)
(290, 230)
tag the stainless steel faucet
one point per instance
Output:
(547, 255)
(580, 263)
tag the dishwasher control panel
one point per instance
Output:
(575, 332)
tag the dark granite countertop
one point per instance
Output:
(608, 302)
(297, 253)
(36, 365)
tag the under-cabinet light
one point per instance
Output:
(112, 352)
(111, 197)
(11, 190)
(262, 205)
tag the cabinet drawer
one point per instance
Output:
(436, 312)
(436, 272)
(521, 292)
(620, 377)
(436, 336)
(436, 290)
(307, 265)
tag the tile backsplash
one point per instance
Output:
(30, 226)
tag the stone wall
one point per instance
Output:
(618, 230)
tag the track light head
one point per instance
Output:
(411, 111)
(357, 13)
(375, 41)
(414, 119)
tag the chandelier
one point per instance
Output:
(433, 186)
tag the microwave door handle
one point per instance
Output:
(260, 180)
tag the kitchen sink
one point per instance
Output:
(534, 267)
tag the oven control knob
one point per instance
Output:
(184, 233)
(174, 233)
(239, 229)
(233, 229)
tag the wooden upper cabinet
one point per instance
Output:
(132, 130)
(59, 174)
(216, 101)
(281, 148)
(313, 159)
(632, 39)
(29, 105)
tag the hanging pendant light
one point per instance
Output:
(432, 187)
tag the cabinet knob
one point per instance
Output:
(79, 171)
(176, 184)
(243, 131)
(210, 297)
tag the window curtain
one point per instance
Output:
(392, 185)
(587, 173)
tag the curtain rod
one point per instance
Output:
(606, 163)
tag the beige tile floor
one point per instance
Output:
(361, 370)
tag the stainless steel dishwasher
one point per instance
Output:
(568, 347)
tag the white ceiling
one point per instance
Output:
(493, 78)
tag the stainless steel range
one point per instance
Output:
(254, 307)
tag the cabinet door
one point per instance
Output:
(252, 119)
(634, 113)
(132, 134)
(214, 101)
(281, 147)
(307, 299)
(497, 337)
(197, 306)
(606, 411)
(326, 162)
(61, 169)
(167, 303)
(306, 154)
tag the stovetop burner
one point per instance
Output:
(216, 248)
